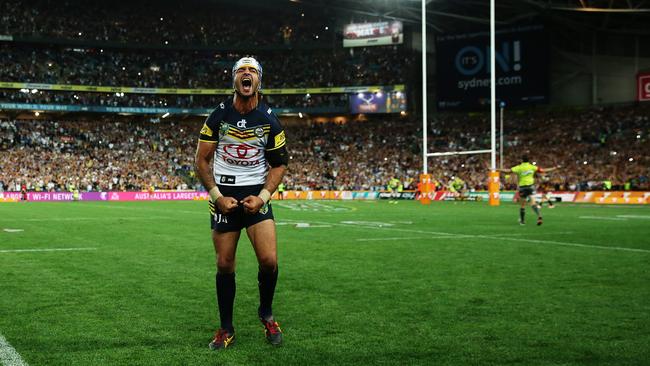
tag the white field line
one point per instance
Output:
(452, 235)
(567, 244)
(396, 238)
(606, 218)
(542, 233)
(8, 355)
(89, 218)
(44, 250)
(647, 217)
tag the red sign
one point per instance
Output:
(643, 87)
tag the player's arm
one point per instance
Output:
(507, 170)
(205, 149)
(278, 159)
(202, 159)
(547, 170)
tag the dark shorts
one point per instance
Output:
(238, 219)
(526, 191)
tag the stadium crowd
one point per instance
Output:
(165, 23)
(387, 65)
(590, 147)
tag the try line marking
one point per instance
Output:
(44, 250)
(521, 240)
(8, 355)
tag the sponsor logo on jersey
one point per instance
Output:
(241, 151)
(228, 179)
(259, 132)
(242, 155)
(223, 129)
(279, 139)
(241, 123)
(205, 130)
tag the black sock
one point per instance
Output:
(536, 209)
(266, 282)
(226, 298)
(522, 213)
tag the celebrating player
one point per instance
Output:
(247, 143)
(526, 174)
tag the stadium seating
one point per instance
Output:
(590, 146)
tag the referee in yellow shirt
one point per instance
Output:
(526, 174)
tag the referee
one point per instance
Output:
(526, 173)
(245, 144)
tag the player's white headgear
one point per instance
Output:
(250, 62)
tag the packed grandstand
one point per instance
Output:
(333, 147)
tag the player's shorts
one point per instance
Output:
(526, 191)
(238, 219)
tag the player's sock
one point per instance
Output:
(522, 214)
(536, 209)
(226, 298)
(266, 281)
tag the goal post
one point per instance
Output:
(493, 175)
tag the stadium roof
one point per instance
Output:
(448, 16)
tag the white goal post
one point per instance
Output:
(425, 124)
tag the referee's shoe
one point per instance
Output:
(272, 331)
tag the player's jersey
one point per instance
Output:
(526, 173)
(242, 142)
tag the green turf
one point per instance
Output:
(446, 284)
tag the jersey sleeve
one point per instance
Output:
(210, 129)
(277, 138)
(276, 146)
(515, 169)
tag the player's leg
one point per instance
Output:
(549, 200)
(263, 237)
(523, 199)
(536, 208)
(225, 247)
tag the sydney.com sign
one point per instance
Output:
(463, 68)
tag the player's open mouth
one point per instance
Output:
(246, 84)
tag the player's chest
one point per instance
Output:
(242, 129)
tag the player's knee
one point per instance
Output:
(268, 264)
(226, 265)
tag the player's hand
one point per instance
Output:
(226, 205)
(252, 204)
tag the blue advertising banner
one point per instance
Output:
(463, 68)
(379, 102)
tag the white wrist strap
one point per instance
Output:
(215, 194)
(265, 195)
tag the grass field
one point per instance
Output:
(361, 283)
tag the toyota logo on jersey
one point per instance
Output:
(241, 151)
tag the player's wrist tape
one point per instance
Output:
(265, 195)
(215, 193)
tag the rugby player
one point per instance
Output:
(245, 142)
(526, 174)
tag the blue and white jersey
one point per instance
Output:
(242, 143)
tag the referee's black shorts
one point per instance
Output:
(526, 191)
(238, 219)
